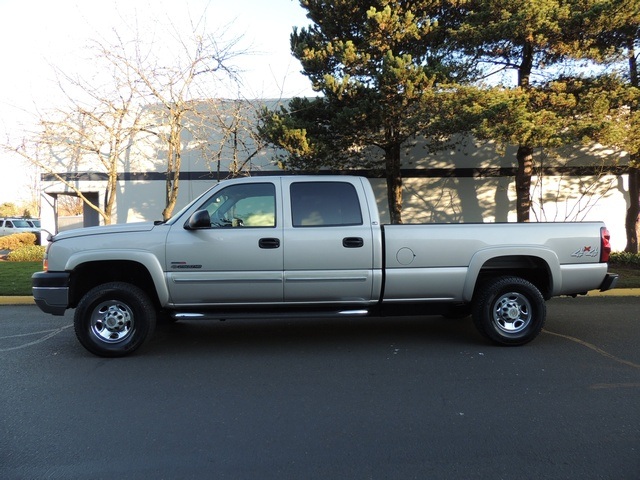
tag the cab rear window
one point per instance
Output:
(324, 204)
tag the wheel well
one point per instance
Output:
(532, 269)
(91, 274)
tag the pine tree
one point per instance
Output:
(611, 36)
(525, 38)
(387, 74)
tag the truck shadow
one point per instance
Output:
(294, 334)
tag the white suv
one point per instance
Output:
(9, 226)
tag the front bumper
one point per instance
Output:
(51, 291)
(610, 281)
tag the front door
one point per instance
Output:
(239, 259)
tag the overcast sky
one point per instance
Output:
(36, 35)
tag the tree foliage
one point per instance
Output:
(8, 209)
(171, 92)
(612, 31)
(136, 93)
(393, 70)
(594, 103)
(386, 72)
(525, 39)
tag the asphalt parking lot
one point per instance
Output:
(394, 398)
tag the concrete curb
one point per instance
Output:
(17, 300)
(616, 292)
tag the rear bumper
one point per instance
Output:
(51, 291)
(610, 281)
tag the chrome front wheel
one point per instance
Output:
(114, 319)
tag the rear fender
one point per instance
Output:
(480, 259)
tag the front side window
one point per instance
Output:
(248, 205)
(328, 204)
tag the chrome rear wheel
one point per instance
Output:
(513, 312)
(509, 310)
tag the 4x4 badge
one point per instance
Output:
(586, 252)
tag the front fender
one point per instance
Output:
(147, 259)
(481, 257)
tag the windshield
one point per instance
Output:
(20, 224)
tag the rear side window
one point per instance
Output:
(324, 204)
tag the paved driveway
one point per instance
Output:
(395, 398)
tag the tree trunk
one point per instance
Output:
(632, 220)
(524, 156)
(174, 161)
(110, 195)
(394, 183)
(523, 182)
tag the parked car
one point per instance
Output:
(34, 222)
(9, 226)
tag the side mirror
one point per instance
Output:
(198, 221)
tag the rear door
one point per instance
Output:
(328, 254)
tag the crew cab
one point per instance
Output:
(311, 245)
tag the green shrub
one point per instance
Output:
(17, 240)
(28, 253)
(625, 258)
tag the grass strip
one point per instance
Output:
(15, 277)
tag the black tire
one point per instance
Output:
(509, 311)
(114, 319)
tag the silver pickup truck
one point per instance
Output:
(311, 245)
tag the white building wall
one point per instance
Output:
(481, 196)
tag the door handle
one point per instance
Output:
(269, 243)
(352, 242)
